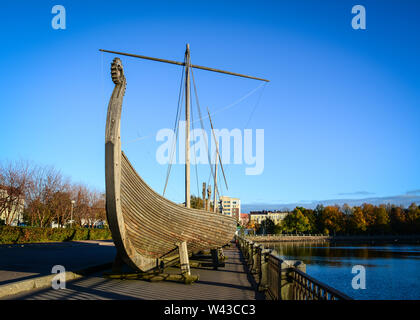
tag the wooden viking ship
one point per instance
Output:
(146, 227)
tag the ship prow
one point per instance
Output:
(146, 226)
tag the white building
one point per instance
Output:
(230, 206)
(260, 216)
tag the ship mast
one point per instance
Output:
(187, 128)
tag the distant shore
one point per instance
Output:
(339, 238)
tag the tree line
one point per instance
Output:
(346, 220)
(45, 196)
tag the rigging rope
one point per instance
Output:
(208, 181)
(219, 183)
(237, 101)
(176, 129)
(201, 122)
(195, 153)
(217, 111)
(217, 148)
(217, 176)
(256, 105)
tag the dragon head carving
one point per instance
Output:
(117, 71)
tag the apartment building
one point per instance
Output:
(260, 216)
(230, 206)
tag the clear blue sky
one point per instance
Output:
(341, 113)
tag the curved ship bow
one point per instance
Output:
(145, 226)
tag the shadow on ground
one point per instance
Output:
(25, 261)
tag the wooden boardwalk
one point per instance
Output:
(231, 282)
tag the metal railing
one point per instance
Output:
(296, 234)
(289, 237)
(283, 279)
(308, 288)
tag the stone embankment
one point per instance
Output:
(340, 238)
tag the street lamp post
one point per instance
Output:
(71, 217)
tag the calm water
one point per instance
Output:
(392, 271)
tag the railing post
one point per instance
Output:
(252, 258)
(246, 249)
(263, 285)
(286, 283)
(250, 253)
(300, 266)
(287, 280)
(255, 253)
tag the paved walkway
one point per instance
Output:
(231, 282)
(25, 261)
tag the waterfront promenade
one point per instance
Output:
(232, 282)
(29, 260)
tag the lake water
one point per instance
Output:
(392, 271)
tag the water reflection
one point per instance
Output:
(330, 253)
(392, 271)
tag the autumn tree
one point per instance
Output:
(332, 220)
(98, 206)
(45, 196)
(413, 218)
(196, 202)
(81, 207)
(381, 224)
(370, 216)
(357, 222)
(397, 219)
(60, 207)
(252, 225)
(96, 210)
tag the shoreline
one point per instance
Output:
(392, 239)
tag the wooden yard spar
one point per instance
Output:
(145, 226)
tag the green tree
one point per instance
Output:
(296, 221)
(397, 220)
(318, 212)
(267, 226)
(413, 218)
(311, 215)
(278, 228)
(197, 203)
(381, 221)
